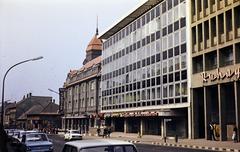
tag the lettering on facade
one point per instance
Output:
(220, 75)
(135, 114)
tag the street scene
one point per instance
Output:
(120, 76)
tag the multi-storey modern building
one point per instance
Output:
(144, 71)
(82, 91)
(215, 51)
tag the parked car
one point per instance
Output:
(73, 135)
(99, 145)
(37, 142)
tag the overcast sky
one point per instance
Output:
(58, 30)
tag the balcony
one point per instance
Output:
(215, 40)
(208, 43)
(230, 35)
(222, 38)
(221, 4)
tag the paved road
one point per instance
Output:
(58, 143)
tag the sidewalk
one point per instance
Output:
(187, 143)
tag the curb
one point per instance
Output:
(196, 147)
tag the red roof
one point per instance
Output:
(94, 44)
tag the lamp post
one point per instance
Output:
(3, 83)
(53, 91)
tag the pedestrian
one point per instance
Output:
(212, 131)
(234, 136)
(98, 131)
(109, 131)
(105, 131)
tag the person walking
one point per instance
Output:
(234, 136)
(212, 131)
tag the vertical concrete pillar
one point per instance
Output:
(237, 105)
(141, 126)
(222, 113)
(72, 123)
(162, 128)
(195, 114)
(125, 126)
(63, 123)
(207, 110)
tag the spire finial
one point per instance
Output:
(97, 27)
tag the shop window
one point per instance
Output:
(197, 64)
(226, 56)
(211, 60)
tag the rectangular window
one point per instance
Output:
(171, 90)
(170, 65)
(184, 88)
(165, 91)
(177, 89)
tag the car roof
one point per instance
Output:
(96, 142)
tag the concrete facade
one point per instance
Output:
(145, 71)
(215, 52)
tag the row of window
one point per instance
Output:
(146, 103)
(146, 62)
(165, 79)
(141, 21)
(168, 91)
(211, 59)
(145, 41)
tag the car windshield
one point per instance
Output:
(75, 132)
(36, 137)
(120, 148)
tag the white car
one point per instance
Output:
(99, 145)
(73, 135)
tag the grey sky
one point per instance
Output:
(59, 30)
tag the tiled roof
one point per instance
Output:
(91, 63)
(94, 44)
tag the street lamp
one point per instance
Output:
(34, 59)
(53, 91)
